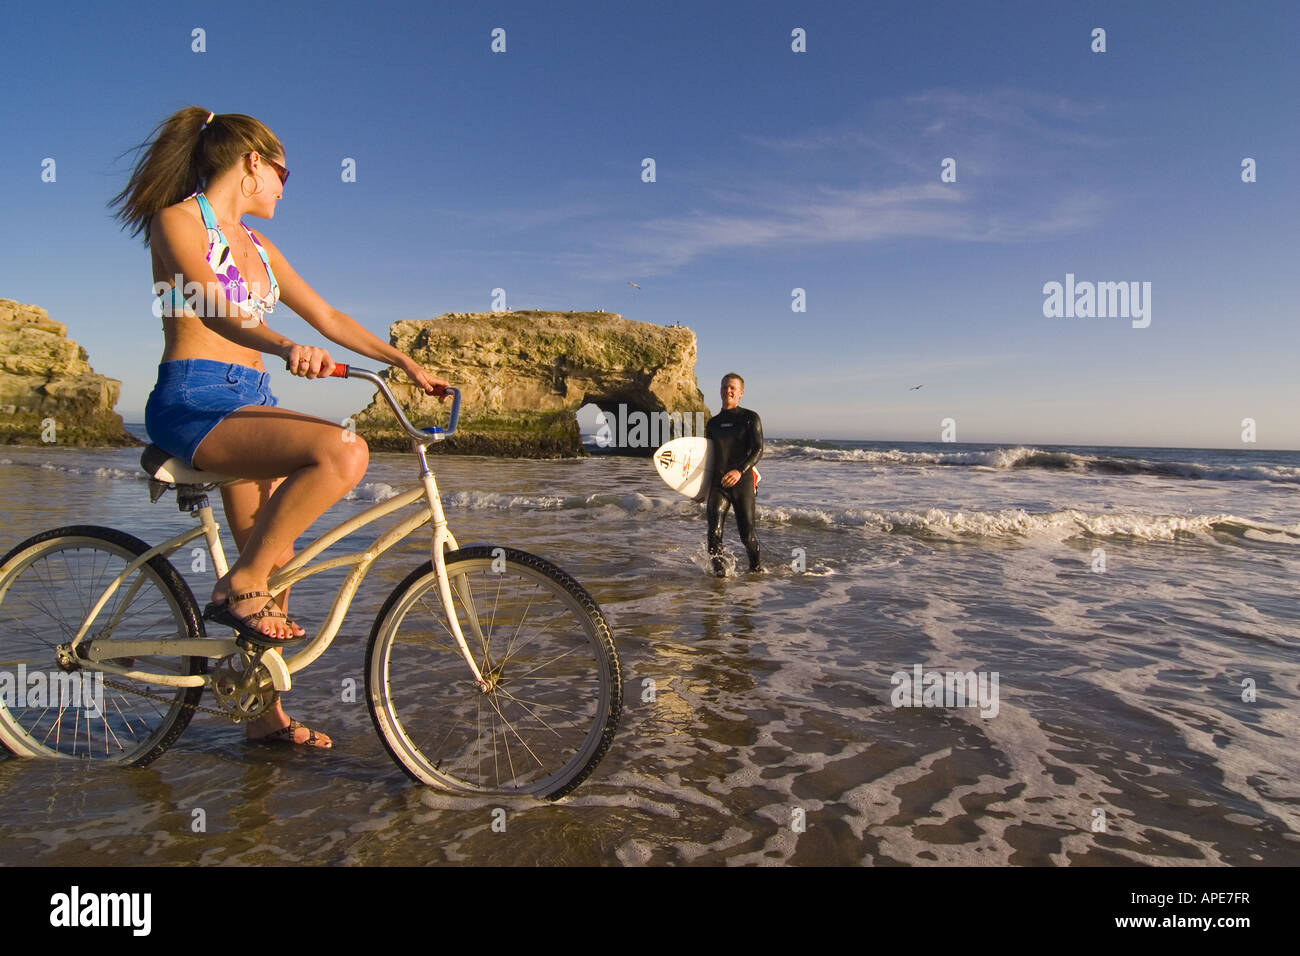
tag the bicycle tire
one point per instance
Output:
(430, 714)
(47, 587)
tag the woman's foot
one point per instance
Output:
(275, 726)
(296, 734)
(254, 608)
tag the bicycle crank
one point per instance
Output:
(245, 683)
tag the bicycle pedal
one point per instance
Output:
(256, 647)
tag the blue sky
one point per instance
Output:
(775, 170)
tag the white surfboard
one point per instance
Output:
(686, 466)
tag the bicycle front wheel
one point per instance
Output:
(544, 645)
(48, 585)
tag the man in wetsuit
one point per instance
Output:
(737, 436)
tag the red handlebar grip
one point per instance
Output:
(340, 371)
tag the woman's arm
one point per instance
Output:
(338, 326)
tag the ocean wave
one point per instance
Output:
(125, 474)
(933, 522)
(1017, 523)
(1028, 457)
(372, 491)
(630, 502)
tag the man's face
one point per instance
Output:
(731, 392)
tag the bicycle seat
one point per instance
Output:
(167, 468)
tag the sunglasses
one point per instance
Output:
(279, 170)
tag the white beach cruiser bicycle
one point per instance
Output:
(488, 670)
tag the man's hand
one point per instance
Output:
(730, 478)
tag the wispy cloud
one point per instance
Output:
(1008, 144)
(900, 128)
(1047, 116)
(863, 215)
(872, 178)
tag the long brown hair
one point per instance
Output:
(182, 154)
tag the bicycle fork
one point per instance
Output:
(443, 541)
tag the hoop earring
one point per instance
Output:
(246, 194)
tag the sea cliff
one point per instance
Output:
(49, 394)
(524, 375)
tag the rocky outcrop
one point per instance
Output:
(48, 389)
(524, 375)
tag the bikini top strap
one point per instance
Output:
(275, 283)
(210, 220)
(209, 217)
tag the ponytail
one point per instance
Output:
(182, 154)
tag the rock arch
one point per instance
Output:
(524, 375)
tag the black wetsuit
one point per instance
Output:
(737, 437)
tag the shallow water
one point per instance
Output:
(758, 725)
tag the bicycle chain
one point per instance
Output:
(172, 700)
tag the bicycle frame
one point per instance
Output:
(281, 666)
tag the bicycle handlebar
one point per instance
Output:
(419, 434)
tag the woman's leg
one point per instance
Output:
(246, 502)
(242, 500)
(319, 462)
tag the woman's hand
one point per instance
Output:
(431, 384)
(308, 361)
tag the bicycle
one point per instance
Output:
(523, 697)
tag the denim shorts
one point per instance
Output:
(193, 395)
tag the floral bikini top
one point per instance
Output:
(222, 262)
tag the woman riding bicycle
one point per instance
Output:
(198, 174)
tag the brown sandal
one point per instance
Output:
(285, 735)
(246, 626)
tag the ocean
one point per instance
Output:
(1128, 615)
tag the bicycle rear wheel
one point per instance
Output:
(48, 584)
(543, 642)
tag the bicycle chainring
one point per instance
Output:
(242, 685)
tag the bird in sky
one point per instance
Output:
(915, 387)
(634, 285)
